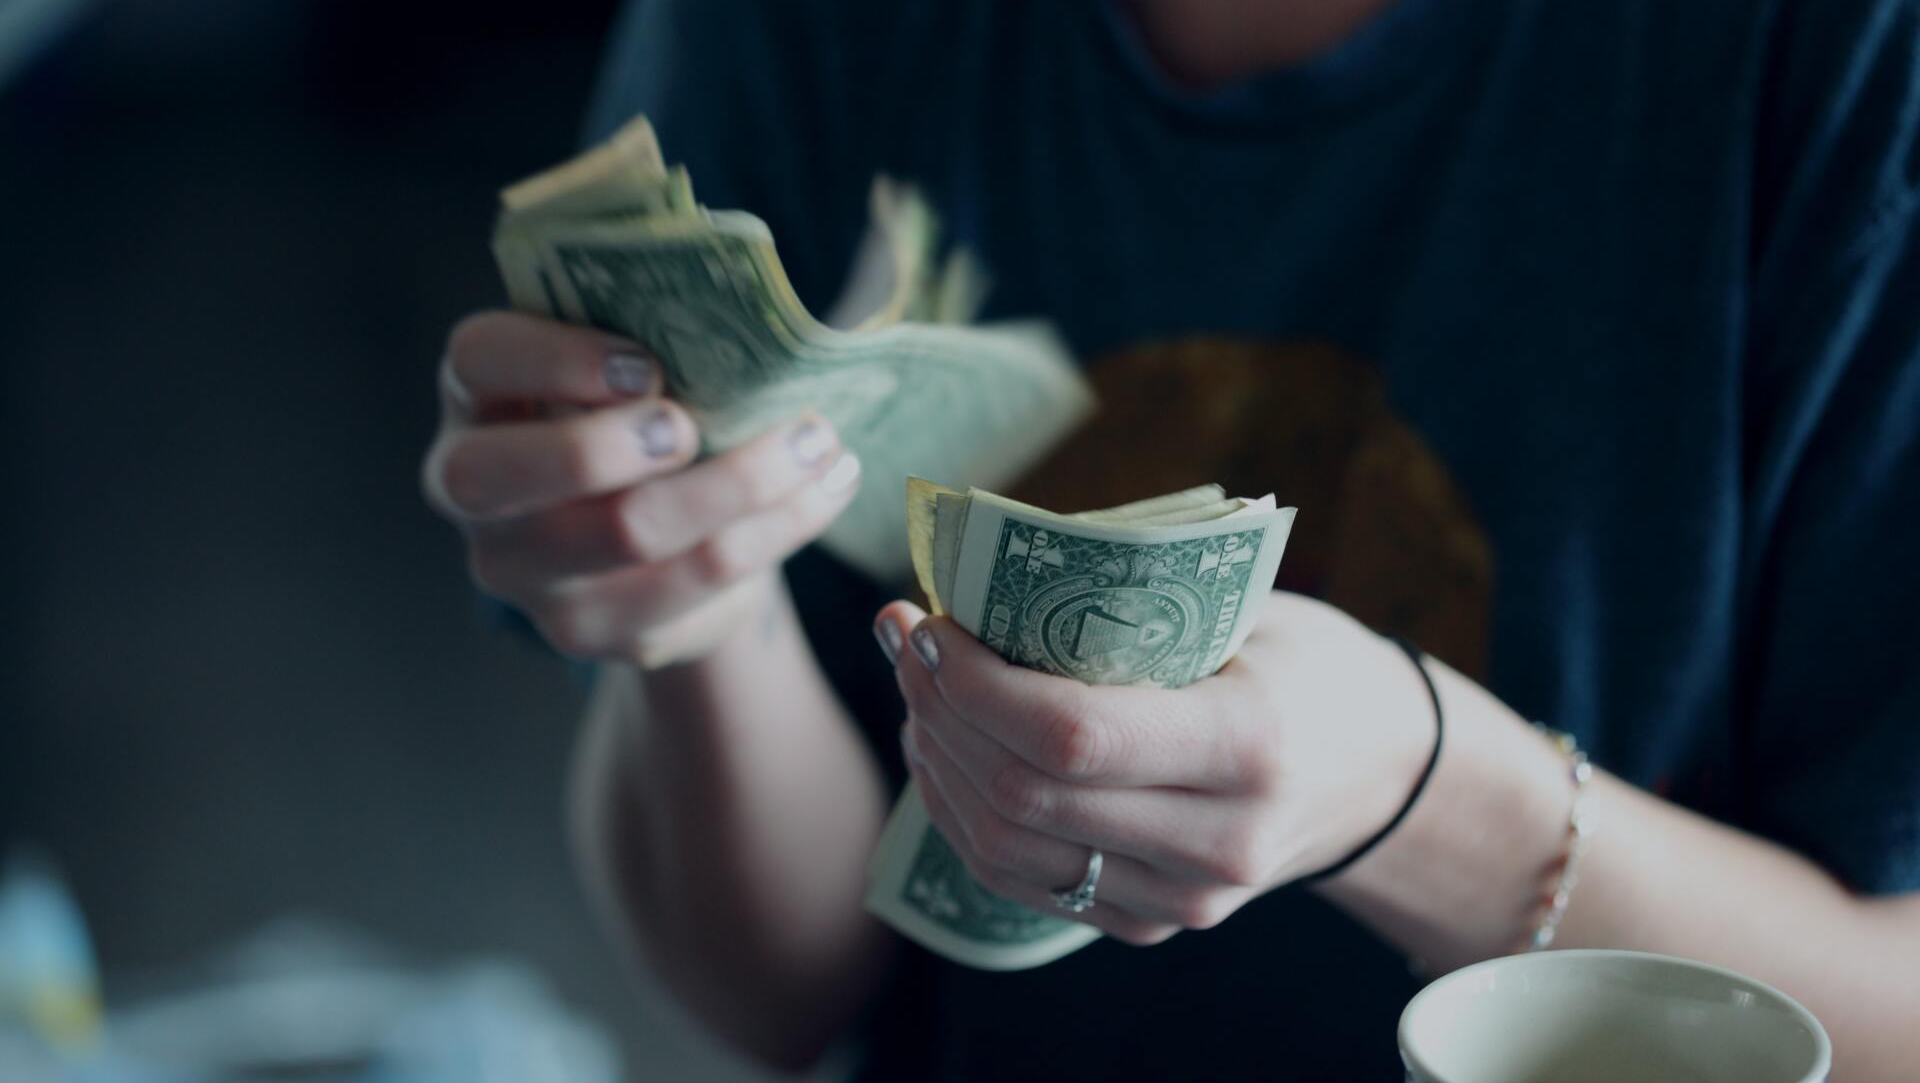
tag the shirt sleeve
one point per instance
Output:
(1832, 456)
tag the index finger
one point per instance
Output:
(1072, 731)
(500, 358)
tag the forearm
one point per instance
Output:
(1458, 882)
(1668, 880)
(725, 811)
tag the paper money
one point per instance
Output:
(615, 240)
(1161, 593)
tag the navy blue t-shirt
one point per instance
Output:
(1585, 335)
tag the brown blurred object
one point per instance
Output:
(1384, 533)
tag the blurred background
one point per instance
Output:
(253, 716)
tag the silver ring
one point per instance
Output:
(1079, 898)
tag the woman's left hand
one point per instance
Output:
(1201, 798)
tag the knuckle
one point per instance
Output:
(570, 628)
(1071, 746)
(1202, 910)
(723, 558)
(1016, 794)
(467, 334)
(1140, 934)
(652, 649)
(988, 875)
(1237, 860)
(486, 569)
(1261, 770)
(633, 530)
(993, 844)
(465, 478)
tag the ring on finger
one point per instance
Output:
(1079, 898)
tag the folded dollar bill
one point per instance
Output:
(1161, 593)
(615, 239)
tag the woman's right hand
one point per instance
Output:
(569, 474)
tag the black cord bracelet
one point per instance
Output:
(1439, 734)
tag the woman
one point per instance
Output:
(1583, 334)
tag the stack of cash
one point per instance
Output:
(615, 239)
(1159, 593)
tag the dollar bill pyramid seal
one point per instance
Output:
(1161, 592)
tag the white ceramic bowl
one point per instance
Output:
(1607, 1016)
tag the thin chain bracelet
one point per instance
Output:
(1554, 904)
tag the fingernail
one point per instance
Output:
(659, 436)
(907, 748)
(843, 474)
(810, 442)
(630, 374)
(927, 649)
(888, 633)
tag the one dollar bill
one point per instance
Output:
(1159, 593)
(615, 240)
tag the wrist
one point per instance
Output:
(1459, 879)
(1411, 731)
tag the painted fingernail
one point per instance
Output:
(659, 436)
(842, 475)
(888, 633)
(927, 649)
(810, 442)
(631, 374)
(908, 747)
